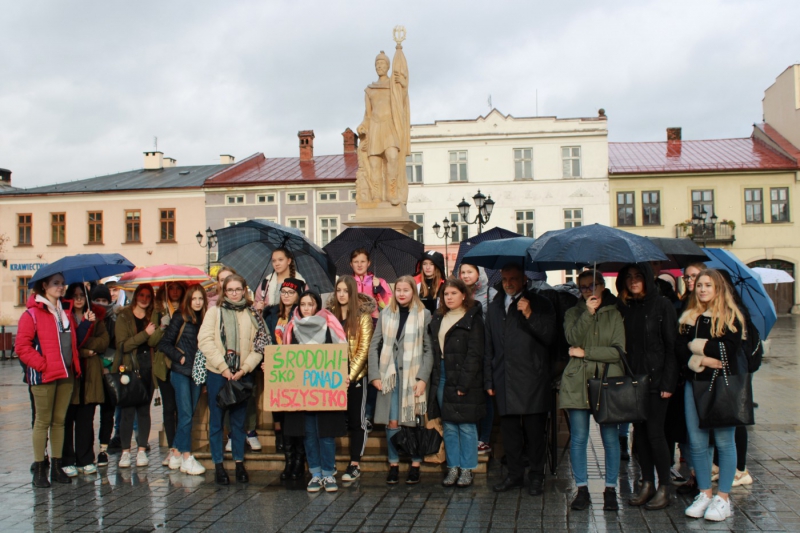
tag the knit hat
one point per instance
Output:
(293, 283)
(100, 292)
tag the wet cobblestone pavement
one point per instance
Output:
(153, 498)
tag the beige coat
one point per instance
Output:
(209, 342)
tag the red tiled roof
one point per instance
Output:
(694, 156)
(258, 169)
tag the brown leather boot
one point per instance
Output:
(660, 500)
(645, 493)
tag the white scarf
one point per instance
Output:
(410, 405)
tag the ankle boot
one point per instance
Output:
(299, 459)
(623, 449)
(288, 456)
(279, 444)
(56, 473)
(40, 475)
(645, 493)
(660, 500)
(241, 473)
(221, 475)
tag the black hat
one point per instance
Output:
(293, 283)
(100, 292)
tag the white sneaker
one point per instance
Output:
(719, 509)
(175, 461)
(88, 469)
(125, 460)
(192, 467)
(71, 471)
(699, 506)
(141, 459)
(253, 442)
(742, 478)
(165, 461)
(229, 445)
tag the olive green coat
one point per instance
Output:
(91, 354)
(128, 340)
(161, 363)
(602, 336)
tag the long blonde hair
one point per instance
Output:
(723, 308)
(415, 301)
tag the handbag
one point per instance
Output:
(619, 400)
(726, 400)
(130, 394)
(440, 456)
(418, 440)
(233, 393)
(199, 371)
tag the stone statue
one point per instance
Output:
(385, 133)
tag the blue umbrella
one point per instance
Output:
(496, 254)
(490, 235)
(84, 267)
(392, 254)
(587, 245)
(749, 286)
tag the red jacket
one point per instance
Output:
(38, 344)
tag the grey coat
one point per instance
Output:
(383, 403)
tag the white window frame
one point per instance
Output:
(351, 216)
(414, 165)
(298, 199)
(454, 158)
(418, 234)
(462, 234)
(266, 219)
(525, 221)
(572, 219)
(235, 199)
(519, 158)
(327, 196)
(263, 198)
(304, 220)
(352, 195)
(232, 221)
(321, 230)
(570, 158)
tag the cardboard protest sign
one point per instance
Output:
(305, 377)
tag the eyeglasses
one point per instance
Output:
(689, 277)
(586, 288)
(288, 292)
(234, 291)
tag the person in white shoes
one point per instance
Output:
(710, 334)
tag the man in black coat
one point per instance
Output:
(520, 329)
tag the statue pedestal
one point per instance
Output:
(384, 215)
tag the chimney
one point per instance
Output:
(673, 134)
(306, 145)
(170, 162)
(350, 141)
(5, 176)
(674, 143)
(153, 160)
(226, 159)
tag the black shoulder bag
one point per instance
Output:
(726, 400)
(619, 400)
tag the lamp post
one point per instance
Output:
(485, 207)
(449, 234)
(211, 241)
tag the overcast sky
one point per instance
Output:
(86, 85)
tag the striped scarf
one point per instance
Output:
(410, 405)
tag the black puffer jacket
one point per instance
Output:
(731, 340)
(186, 345)
(651, 327)
(463, 366)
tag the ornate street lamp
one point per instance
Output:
(449, 234)
(211, 241)
(485, 206)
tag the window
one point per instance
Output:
(573, 218)
(352, 195)
(58, 228)
(779, 201)
(651, 208)
(296, 197)
(753, 206)
(328, 196)
(523, 164)
(328, 229)
(95, 227)
(625, 209)
(265, 198)
(571, 275)
(22, 290)
(525, 223)
(167, 225)
(703, 203)
(458, 166)
(233, 221)
(266, 219)
(24, 229)
(133, 225)
(414, 168)
(297, 223)
(417, 234)
(234, 199)
(462, 233)
(571, 161)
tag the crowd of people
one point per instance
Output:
(452, 348)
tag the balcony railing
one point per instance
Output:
(721, 232)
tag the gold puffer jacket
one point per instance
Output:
(359, 343)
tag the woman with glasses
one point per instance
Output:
(596, 337)
(232, 333)
(690, 274)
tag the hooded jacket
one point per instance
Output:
(382, 296)
(359, 343)
(651, 327)
(38, 344)
(89, 389)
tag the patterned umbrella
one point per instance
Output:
(248, 247)
(160, 274)
(392, 253)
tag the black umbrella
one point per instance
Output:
(248, 247)
(490, 235)
(680, 252)
(392, 254)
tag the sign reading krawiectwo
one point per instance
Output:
(305, 377)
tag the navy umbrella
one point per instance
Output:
(496, 254)
(84, 267)
(247, 247)
(490, 235)
(680, 252)
(392, 254)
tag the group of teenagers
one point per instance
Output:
(443, 347)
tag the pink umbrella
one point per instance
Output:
(161, 274)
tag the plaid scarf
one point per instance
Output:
(410, 405)
(229, 326)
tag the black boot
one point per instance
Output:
(221, 475)
(623, 449)
(610, 499)
(241, 473)
(660, 500)
(279, 444)
(288, 454)
(645, 493)
(299, 459)
(56, 473)
(582, 499)
(40, 475)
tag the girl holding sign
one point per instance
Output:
(313, 325)
(354, 312)
(400, 363)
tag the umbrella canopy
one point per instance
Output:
(773, 275)
(680, 252)
(392, 254)
(499, 253)
(160, 274)
(84, 267)
(749, 286)
(248, 248)
(587, 245)
(490, 235)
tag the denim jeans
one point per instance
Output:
(460, 440)
(624, 429)
(215, 382)
(320, 451)
(187, 392)
(725, 442)
(579, 420)
(394, 414)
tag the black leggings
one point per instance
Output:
(651, 443)
(169, 409)
(356, 418)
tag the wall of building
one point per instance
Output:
(781, 104)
